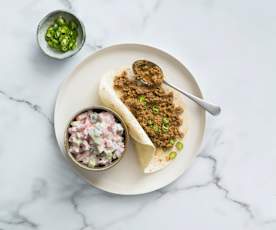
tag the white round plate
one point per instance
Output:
(80, 90)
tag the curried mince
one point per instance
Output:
(154, 109)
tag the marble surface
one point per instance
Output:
(228, 45)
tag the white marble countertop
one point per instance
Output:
(228, 45)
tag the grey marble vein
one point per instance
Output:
(146, 16)
(195, 186)
(85, 223)
(216, 139)
(21, 221)
(17, 217)
(67, 4)
(217, 182)
(270, 221)
(73, 200)
(93, 47)
(134, 213)
(32, 106)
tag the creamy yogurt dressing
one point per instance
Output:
(96, 139)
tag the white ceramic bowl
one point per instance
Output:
(49, 20)
(96, 109)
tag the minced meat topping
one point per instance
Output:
(153, 108)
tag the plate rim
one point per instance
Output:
(104, 49)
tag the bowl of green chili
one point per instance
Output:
(60, 34)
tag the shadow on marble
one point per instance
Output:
(48, 66)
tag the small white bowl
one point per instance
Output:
(47, 21)
(96, 109)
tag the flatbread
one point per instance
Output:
(151, 158)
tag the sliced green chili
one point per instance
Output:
(156, 128)
(179, 145)
(55, 26)
(165, 127)
(73, 25)
(142, 99)
(60, 21)
(155, 109)
(150, 122)
(172, 155)
(62, 36)
(171, 142)
(165, 120)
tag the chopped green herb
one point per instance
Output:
(141, 98)
(74, 34)
(62, 36)
(64, 41)
(50, 33)
(72, 45)
(64, 48)
(55, 26)
(92, 163)
(64, 29)
(51, 44)
(57, 34)
(73, 25)
(179, 145)
(172, 155)
(60, 21)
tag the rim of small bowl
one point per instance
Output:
(44, 19)
(126, 138)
